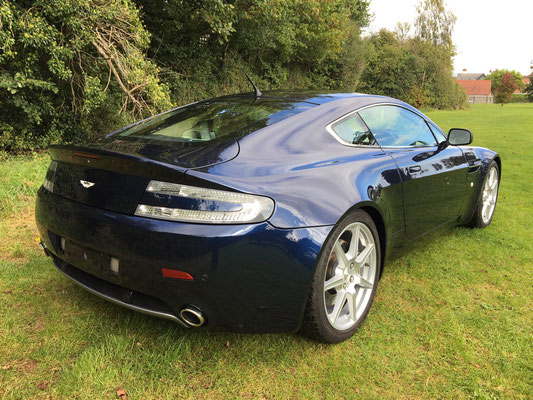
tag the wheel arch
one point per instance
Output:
(377, 217)
(382, 232)
(498, 161)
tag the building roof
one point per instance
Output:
(481, 87)
(470, 76)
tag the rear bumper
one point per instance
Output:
(248, 278)
(116, 294)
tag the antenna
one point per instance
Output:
(256, 89)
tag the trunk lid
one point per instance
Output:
(114, 175)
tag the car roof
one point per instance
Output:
(325, 98)
(306, 131)
(316, 97)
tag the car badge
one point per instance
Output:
(87, 184)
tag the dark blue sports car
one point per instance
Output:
(271, 213)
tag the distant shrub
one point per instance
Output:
(520, 98)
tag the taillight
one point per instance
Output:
(48, 183)
(209, 206)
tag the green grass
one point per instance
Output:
(20, 177)
(452, 319)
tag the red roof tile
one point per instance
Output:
(480, 87)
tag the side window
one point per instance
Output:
(396, 126)
(352, 130)
(439, 134)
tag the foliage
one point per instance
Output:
(505, 89)
(434, 24)
(415, 68)
(411, 69)
(283, 44)
(71, 68)
(529, 88)
(496, 77)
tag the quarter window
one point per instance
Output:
(396, 126)
(352, 130)
(439, 134)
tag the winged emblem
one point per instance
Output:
(87, 184)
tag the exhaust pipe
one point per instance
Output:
(192, 316)
(42, 246)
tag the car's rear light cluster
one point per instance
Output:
(48, 183)
(208, 206)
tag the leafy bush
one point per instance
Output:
(520, 98)
(411, 69)
(200, 45)
(72, 68)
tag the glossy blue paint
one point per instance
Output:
(256, 277)
(433, 186)
(249, 278)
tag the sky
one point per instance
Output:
(488, 34)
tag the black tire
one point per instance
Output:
(477, 220)
(315, 323)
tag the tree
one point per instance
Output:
(411, 69)
(496, 77)
(505, 89)
(529, 88)
(281, 43)
(434, 24)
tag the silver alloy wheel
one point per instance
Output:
(490, 195)
(350, 276)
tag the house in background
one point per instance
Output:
(478, 88)
(464, 76)
(478, 91)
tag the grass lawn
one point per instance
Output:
(452, 319)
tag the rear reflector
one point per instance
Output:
(174, 273)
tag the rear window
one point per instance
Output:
(214, 119)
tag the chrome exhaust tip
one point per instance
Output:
(43, 246)
(192, 316)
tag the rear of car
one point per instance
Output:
(119, 218)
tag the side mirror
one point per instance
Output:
(459, 137)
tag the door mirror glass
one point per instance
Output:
(459, 137)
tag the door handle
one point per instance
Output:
(414, 169)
